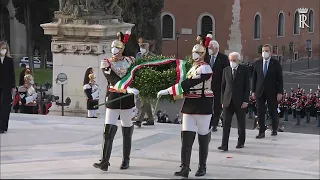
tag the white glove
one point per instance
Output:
(162, 93)
(104, 64)
(132, 91)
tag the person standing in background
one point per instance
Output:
(235, 89)
(267, 86)
(145, 105)
(7, 85)
(218, 62)
(92, 92)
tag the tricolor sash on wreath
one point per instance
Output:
(125, 82)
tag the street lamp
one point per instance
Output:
(308, 48)
(291, 47)
(283, 48)
(177, 39)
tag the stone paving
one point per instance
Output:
(66, 147)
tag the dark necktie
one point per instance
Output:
(234, 72)
(212, 61)
(265, 68)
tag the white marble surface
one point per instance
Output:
(66, 147)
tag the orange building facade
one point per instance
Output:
(241, 26)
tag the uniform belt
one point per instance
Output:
(193, 91)
(199, 95)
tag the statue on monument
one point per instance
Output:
(78, 8)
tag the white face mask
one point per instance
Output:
(143, 51)
(210, 52)
(233, 64)
(115, 51)
(195, 56)
(3, 52)
(265, 55)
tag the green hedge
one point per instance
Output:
(150, 80)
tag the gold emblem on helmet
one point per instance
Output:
(198, 48)
(117, 44)
(199, 51)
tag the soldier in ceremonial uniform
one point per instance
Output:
(197, 110)
(317, 107)
(145, 106)
(114, 69)
(308, 106)
(16, 100)
(285, 104)
(91, 90)
(28, 96)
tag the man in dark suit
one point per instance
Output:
(7, 85)
(218, 62)
(267, 85)
(235, 90)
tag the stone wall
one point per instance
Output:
(234, 43)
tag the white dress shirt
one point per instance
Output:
(2, 59)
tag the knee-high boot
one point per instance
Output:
(109, 133)
(187, 142)
(204, 141)
(127, 141)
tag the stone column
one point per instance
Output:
(76, 45)
(234, 43)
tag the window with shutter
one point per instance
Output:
(281, 25)
(206, 25)
(310, 21)
(296, 28)
(257, 27)
(167, 27)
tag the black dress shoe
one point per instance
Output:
(214, 128)
(137, 123)
(260, 136)
(2, 131)
(274, 133)
(148, 123)
(223, 148)
(239, 146)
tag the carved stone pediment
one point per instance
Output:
(80, 48)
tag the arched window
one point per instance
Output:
(296, 26)
(281, 25)
(206, 25)
(168, 26)
(257, 26)
(311, 21)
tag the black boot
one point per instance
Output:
(109, 133)
(187, 142)
(127, 140)
(203, 153)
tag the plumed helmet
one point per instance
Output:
(208, 39)
(86, 75)
(198, 52)
(198, 48)
(117, 44)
